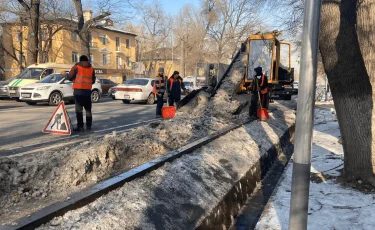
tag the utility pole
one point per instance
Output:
(305, 114)
(21, 52)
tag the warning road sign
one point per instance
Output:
(59, 122)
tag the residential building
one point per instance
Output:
(112, 51)
(161, 57)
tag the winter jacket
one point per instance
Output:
(174, 86)
(83, 76)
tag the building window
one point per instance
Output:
(104, 40)
(18, 36)
(128, 61)
(74, 36)
(127, 43)
(74, 57)
(118, 62)
(104, 59)
(44, 34)
(118, 42)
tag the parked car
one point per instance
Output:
(139, 89)
(295, 87)
(111, 92)
(33, 74)
(53, 89)
(106, 85)
(4, 86)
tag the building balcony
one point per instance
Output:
(93, 45)
(121, 50)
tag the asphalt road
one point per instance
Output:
(21, 125)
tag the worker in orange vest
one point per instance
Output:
(259, 88)
(174, 88)
(83, 76)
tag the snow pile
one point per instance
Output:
(180, 194)
(54, 175)
(326, 114)
(331, 205)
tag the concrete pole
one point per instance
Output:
(305, 114)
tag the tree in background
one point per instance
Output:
(232, 22)
(156, 27)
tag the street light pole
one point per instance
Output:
(305, 114)
(21, 52)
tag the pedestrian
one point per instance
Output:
(159, 90)
(83, 77)
(259, 89)
(174, 88)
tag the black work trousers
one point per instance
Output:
(174, 99)
(83, 102)
(159, 104)
(254, 103)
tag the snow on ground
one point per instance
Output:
(331, 205)
(31, 182)
(180, 194)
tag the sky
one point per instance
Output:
(174, 6)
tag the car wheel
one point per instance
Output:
(55, 98)
(151, 99)
(125, 101)
(30, 103)
(95, 96)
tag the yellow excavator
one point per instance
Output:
(274, 56)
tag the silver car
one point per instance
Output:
(4, 88)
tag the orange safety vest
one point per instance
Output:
(263, 91)
(171, 80)
(160, 88)
(83, 79)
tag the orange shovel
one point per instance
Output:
(262, 113)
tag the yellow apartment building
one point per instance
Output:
(163, 57)
(112, 51)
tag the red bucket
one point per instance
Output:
(168, 112)
(263, 114)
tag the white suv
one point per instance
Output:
(53, 89)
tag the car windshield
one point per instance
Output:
(187, 83)
(136, 82)
(53, 78)
(31, 73)
(260, 55)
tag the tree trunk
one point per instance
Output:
(347, 54)
(33, 35)
(85, 44)
(182, 65)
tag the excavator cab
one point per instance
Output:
(274, 56)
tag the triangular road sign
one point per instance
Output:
(59, 122)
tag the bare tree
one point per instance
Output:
(156, 25)
(233, 21)
(190, 32)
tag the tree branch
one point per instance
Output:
(24, 4)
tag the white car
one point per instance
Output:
(53, 89)
(139, 89)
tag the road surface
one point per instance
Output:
(21, 125)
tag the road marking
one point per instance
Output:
(69, 137)
(98, 131)
(60, 145)
(24, 146)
